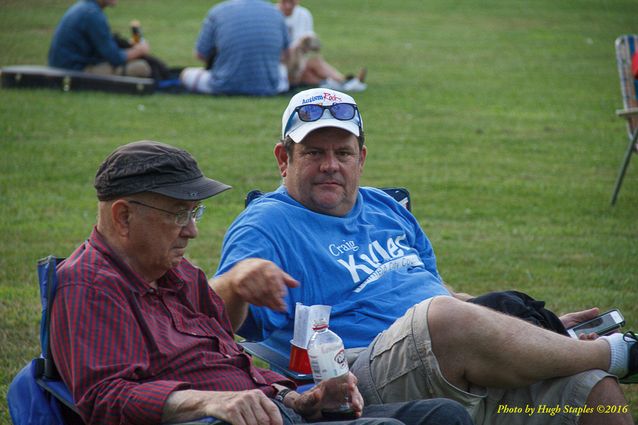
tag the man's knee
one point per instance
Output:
(137, 68)
(447, 305)
(443, 313)
(446, 313)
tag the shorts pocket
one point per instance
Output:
(394, 353)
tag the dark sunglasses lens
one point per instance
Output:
(310, 113)
(342, 111)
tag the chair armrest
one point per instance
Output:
(277, 361)
(58, 390)
(629, 112)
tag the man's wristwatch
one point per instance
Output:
(282, 394)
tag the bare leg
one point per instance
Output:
(317, 70)
(606, 393)
(477, 345)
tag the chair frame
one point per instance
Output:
(47, 376)
(626, 46)
(46, 373)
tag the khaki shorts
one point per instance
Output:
(134, 68)
(399, 365)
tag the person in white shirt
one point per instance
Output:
(306, 66)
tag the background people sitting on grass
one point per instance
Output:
(244, 44)
(83, 41)
(306, 65)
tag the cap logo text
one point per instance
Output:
(331, 97)
(312, 99)
(326, 96)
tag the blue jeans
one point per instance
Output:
(436, 411)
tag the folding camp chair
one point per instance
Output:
(625, 50)
(48, 397)
(400, 194)
(277, 360)
(37, 395)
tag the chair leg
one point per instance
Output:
(625, 164)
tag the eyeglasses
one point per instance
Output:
(312, 112)
(182, 217)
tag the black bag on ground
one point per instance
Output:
(159, 70)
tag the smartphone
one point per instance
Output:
(604, 324)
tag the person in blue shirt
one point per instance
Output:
(243, 42)
(320, 238)
(83, 41)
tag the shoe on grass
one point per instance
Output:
(354, 85)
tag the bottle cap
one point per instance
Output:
(320, 324)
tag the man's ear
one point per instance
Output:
(362, 157)
(282, 158)
(121, 213)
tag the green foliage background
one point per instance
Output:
(497, 115)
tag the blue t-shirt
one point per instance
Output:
(83, 37)
(247, 38)
(370, 266)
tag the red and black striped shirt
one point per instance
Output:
(122, 347)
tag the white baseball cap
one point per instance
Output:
(293, 126)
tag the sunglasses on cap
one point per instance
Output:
(312, 112)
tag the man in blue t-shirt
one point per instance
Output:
(243, 42)
(322, 239)
(83, 41)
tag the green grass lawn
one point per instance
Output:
(497, 115)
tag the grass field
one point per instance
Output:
(497, 115)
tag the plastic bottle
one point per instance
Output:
(328, 362)
(136, 32)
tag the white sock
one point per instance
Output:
(619, 354)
